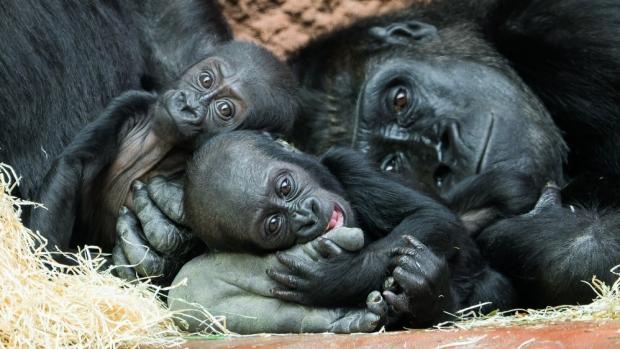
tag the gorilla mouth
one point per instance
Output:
(336, 220)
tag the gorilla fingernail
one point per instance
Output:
(137, 185)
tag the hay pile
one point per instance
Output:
(47, 305)
(606, 306)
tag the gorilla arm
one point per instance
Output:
(78, 166)
(236, 286)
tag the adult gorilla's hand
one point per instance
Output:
(236, 285)
(152, 242)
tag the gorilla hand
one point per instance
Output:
(483, 199)
(302, 276)
(420, 284)
(240, 290)
(149, 243)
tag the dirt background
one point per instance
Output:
(284, 25)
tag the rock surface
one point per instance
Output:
(284, 25)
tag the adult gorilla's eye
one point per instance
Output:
(206, 79)
(273, 224)
(225, 109)
(400, 100)
(285, 187)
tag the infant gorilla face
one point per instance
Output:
(239, 85)
(244, 193)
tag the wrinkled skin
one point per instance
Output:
(237, 287)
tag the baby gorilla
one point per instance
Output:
(246, 192)
(142, 134)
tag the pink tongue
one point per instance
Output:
(333, 220)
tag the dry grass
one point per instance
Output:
(44, 304)
(606, 306)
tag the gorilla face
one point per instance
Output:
(240, 197)
(211, 92)
(239, 85)
(439, 120)
(433, 104)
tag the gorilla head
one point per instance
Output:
(244, 191)
(436, 104)
(238, 85)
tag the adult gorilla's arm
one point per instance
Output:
(79, 164)
(236, 286)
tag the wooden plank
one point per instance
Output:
(562, 335)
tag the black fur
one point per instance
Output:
(63, 61)
(232, 193)
(563, 59)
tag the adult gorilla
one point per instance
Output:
(483, 102)
(62, 61)
(471, 99)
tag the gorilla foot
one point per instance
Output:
(368, 320)
(420, 284)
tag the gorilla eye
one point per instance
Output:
(392, 163)
(286, 187)
(401, 99)
(206, 79)
(225, 109)
(273, 224)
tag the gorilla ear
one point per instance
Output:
(403, 33)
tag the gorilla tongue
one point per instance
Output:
(337, 219)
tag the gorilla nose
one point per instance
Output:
(306, 220)
(206, 99)
(183, 104)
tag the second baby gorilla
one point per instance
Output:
(246, 192)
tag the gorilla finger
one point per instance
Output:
(145, 261)
(411, 264)
(390, 285)
(328, 248)
(368, 323)
(289, 281)
(376, 304)
(293, 264)
(411, 281)
(121, 263)
(163, 235)
(286, 295)
(168, 196)
(399, 303)
(415, 243)
(402, 251)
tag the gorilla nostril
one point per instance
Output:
(445, 140)
(441, 172)
(315, 207)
